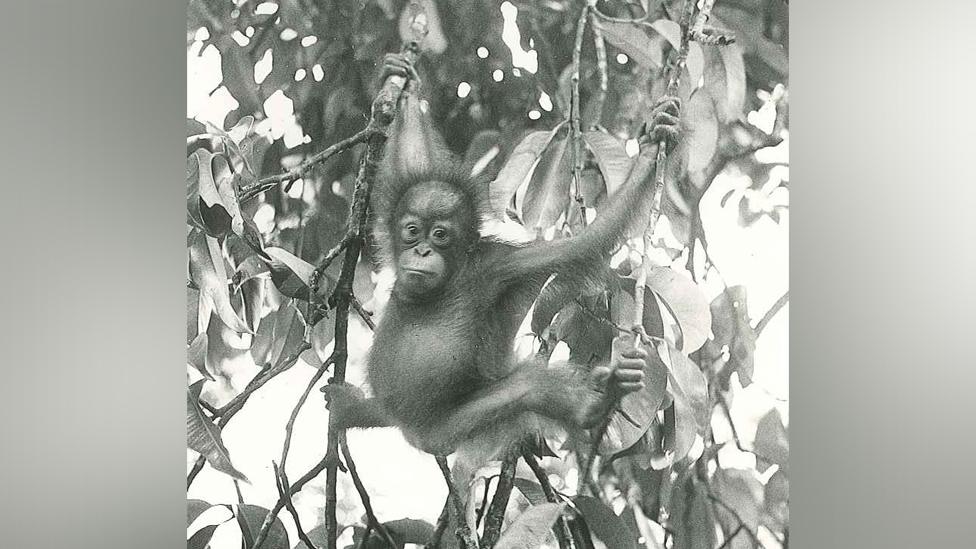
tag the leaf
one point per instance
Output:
(292, 275)
(679, 434)
(741, 491)
(201, 538)
(417, 532)
(253, 518)
(612, 158)
(434, 41)
(731, 326)
(692, 518)
(689, 382)
(517, 168)
(208, 272)
(777, 501)
(670, 30)
(622, 304)
(604, 524)
(194, 508)
(205, 207)
(279, 335)
(772, 441)
(637, 411)
(531, 490)
(227, 188)
(203, 435)
(637, 39)
(686, 302)
(725, 80)
(547, 195)
(699, 131)
(196, 355)
(530, 529)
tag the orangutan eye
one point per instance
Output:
(440, 235)
(410, 232)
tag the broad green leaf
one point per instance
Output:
(417, 532)
(194, 508)
(292, 275)
(196, 355)
(725, 80)
(680, 429)
(201, 538)
(531, 490)
(547, 195)
(699, 137)
(637, 39)
(742, 491)
(530, 529)
(205, 206)
(517, 167)
(253, 517)
(604, 524)
(772, 441)
(622, 307)
(203, 435)
(636, 411)
(692, 517)
(208, 272)
(686, 302)
(777, 502)
(279, 335)
(227, 188)
(731, 326)
(689, 382)
(612, 158)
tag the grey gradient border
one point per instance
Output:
(882, 280)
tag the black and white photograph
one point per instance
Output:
(487, 274)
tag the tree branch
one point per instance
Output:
(503, 492)
(363, 495)
(780, 303)
(294, 174)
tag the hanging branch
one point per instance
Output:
(563, 534)
(576, 138)
(383, 113)
(503, 492)
(227, 411)
(281, 481)
(363, 495)
(601, 62)
(289, 429)
(465, 536)
(295, 174)
(674, 78)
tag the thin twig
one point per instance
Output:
(363, 313)
(281, 481)
(361, 489)
(601, 65)
(563, 533)
(780, 303)
(464, 534)
(294, 174)
(576, 138)
(289, 429)
(224, 414)
(383, 113)
(442, 520)
(503, 492)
